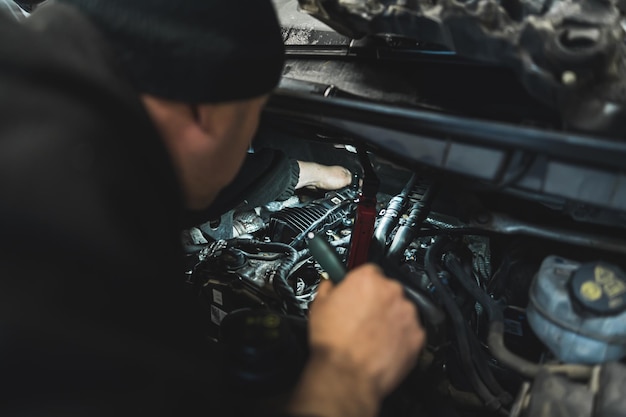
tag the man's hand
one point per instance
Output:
(323, 177)
(364, 338)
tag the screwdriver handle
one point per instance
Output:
(326, 256)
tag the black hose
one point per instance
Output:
(495, 314)
(279, 281)
(298, 239)
(453, 264)
(458, 321)
(484, 371)
(453, 231)
(495, 338)
(434, 318)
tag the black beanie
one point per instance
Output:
(200, 51)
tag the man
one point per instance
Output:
(113, 112)
(267, 175)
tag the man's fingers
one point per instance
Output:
(334, 178)
(324, 289)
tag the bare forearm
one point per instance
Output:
(364, 338)
(332, 387)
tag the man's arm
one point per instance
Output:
(364, 339)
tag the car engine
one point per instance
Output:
(506, 230)
(524, 306)
(486, 143)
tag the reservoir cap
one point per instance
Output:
(600, 288)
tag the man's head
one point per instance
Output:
(203, 69)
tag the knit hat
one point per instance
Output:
(200, 51)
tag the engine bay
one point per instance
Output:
(498, 209)
(488, 180)
(524, 304)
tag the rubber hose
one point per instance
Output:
(495, 338)
(458, 321)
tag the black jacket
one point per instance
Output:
(93, 319)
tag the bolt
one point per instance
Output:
(568, 78)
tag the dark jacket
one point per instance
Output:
(93, 319)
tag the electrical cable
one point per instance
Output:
(390, 219)
(279, 278)
(318, 222)
(458, 321)
(495, 339)
(408, 230)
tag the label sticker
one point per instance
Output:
(217, 315)
(513, 327)
(612, 285)
(600, 288)
(217, 297)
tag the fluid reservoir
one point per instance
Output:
(579, 310)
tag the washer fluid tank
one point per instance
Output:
(579, 310)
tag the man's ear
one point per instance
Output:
(176, 121)
(207, 143)
(189, 146)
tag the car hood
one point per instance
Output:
(419, 103)
(568, 55)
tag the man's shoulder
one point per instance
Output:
(79, 153)
(12, 9)
(58, 37)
